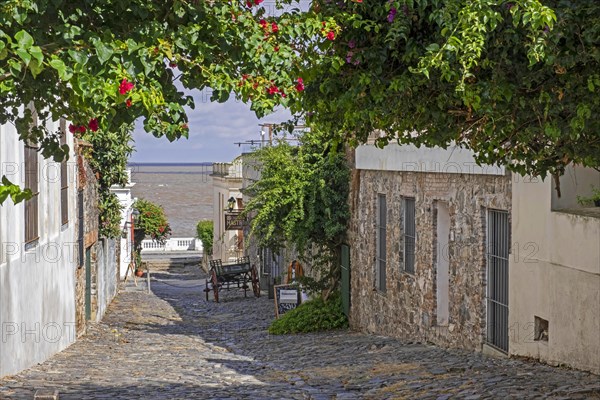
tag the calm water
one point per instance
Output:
(184, 191)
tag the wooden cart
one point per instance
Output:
(237, 275)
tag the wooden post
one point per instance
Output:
(148, 277)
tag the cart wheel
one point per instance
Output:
(255, 281)
(215, 285)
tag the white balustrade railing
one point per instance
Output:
(172, 244)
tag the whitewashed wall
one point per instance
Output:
(37, 286)
(557, 276)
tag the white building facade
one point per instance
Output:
(228, 244)
(555, 278)
(37, 254)
(123, 193)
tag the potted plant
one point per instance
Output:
(589, 200)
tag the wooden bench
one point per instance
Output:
(235, 275)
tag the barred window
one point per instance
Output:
(380, 263)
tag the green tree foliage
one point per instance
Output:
(301, 200)
(516, 81)
(102, 64)
(204, 232)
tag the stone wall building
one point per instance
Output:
(97, 272)
(420, 246)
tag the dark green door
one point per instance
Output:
(345, 264)
(88, 285)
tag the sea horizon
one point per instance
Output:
(170, 164)
(184, 190)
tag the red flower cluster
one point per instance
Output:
(300, 85)
(272, 89)
(93, 125)
(76, 128)
(125, 86)
(331, 35)
(128, 103)
(256, 2)
(265, 26)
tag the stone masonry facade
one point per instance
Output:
(88, 199)
(407, 308)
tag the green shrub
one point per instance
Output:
(204, 232)
(312, 316)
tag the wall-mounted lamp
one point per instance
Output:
(231, 204)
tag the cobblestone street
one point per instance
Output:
(173, 344)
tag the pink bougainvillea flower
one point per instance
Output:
(93, 124)
(248, 4)
(392, 15)
(72, 128)
(276, 49)
(300, 85)
(263, 23)
(81, 129)
(257, 2)
(274, 27)
(128, 103)
(330, 35)
(125, 86)
(273, 89)
(172, 64)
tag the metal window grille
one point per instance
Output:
(410, 235)
(271, 262)
(497, 251)
(64, 180)
(380, 272)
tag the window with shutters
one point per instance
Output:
(409, 234)
(31, 170)
(64, 178)
(381, 260)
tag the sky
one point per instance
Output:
(214, 128)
